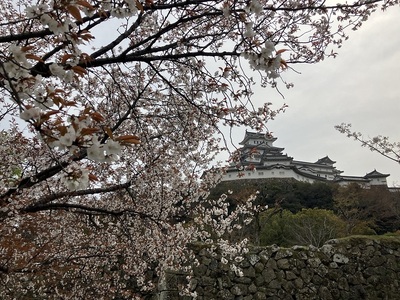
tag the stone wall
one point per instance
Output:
(351, 268)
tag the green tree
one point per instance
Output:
(385, 209)
(348, 205)
(307, 227)
(286, 193)
(367, 211)
(313, 227)
(319, 195)
(273, 230)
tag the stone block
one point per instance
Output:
(343, 284)
(224, 282)
(260, 296)
(283, 264)
(357, 279)
(347, 269)
(253, 259)
(306, 275)
(271, 264)
(225, 295)
(252, 288)
(274, 284)
(288, 287)
(268, 275)
(322, 270)
(340, 258)
(259, 267)
(289, 275)
(200, 270)
(264, 256)
(282, 253)
(239, 289)
(243, 280)
(325, 294)
(377, 261)
(259, 281)
(207, 281)
(314, 262)
(249, 272)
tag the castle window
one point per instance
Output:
(260, 173)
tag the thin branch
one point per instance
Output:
(118, 40)
(30, 181)
(57, 196)
(79, 208)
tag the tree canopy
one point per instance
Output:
(286, 193)
(306, 227)
(112, 110)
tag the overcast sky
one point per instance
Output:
(361, 86)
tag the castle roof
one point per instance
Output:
(257, 135)
(351, 178)
(325, 161)
(317, 164)
(375, 174)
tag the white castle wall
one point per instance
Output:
(262, 174)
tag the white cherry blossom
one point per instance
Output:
(30, 113)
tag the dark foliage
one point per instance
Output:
(285, 193)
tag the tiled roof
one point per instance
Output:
(375, 174)
(351, 178)
(256, 135)
(325, 160)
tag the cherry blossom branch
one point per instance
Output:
(30, 181)
(80, 208)
(94, 191)
(118, 40)
(47, 32)
(379, 144)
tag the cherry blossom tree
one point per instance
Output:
(111, 110)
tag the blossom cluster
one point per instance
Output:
(265, 60)
(124, 11)
(75, 178)
(104, 152)
(43, 105)
(44, 14)
(254, 7)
